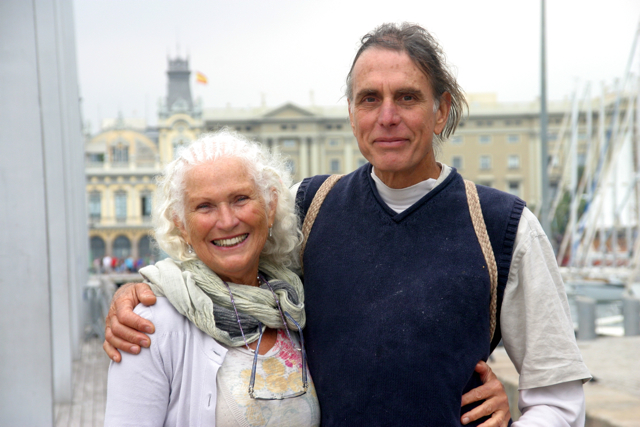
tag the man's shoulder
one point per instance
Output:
(307, 189)
(494, 201)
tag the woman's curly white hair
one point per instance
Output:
(269, 175)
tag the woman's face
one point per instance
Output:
(226, 219)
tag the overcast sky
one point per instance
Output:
(285, 50)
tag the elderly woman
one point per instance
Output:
(227, 348)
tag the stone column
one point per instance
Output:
(315, 156)
(303, 167)
(348, 156)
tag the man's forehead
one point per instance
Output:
(376, 63)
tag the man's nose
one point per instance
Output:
(388, 113)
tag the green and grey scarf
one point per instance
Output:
(203, 298)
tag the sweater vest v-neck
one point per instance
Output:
(398, 304)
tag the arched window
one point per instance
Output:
(121, 247)
(96, 245)
(144, 247)
(148, 250)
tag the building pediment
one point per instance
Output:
(288, 111)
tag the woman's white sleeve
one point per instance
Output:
(138, 387)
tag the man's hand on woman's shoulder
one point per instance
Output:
(123, 328)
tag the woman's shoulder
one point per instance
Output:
(164, 316)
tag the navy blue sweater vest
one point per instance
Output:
(398, 304)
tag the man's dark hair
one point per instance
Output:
(427, 54)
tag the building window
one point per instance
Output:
(294, 127)
(283, 127)
(95, 206)
(120, 154)
(513, 161)
(247, 128)
(289, 143)
(146, 205)
(484, 139)
(335, 165)
(291, 166)
(338, 126)
(456, 162)
(334, 141)
(514, 188)
(97, 246)
(121, 206)
(147, 250)
(456, 140)
(328, 126)
(94, 158)
(362, 162)
(121, 247)
(513, 139)
(485, 162)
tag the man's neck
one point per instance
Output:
(406, 179)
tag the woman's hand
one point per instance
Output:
(122, 324)
(496, 403)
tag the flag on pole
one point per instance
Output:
(201, 78)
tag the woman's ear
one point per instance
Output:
(273, 204)
(180, 226)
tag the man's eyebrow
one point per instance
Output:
(409, 90)
(364, 92)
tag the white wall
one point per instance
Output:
(43, 237)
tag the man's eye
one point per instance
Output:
(369, 99)
(408, 97)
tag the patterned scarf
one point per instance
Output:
(203, 298)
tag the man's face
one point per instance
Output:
(392, 117)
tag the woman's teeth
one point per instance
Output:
(230, 242)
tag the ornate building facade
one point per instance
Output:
(497, 145)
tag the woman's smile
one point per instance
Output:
(233, 241)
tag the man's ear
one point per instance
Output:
(353, 129)
(442, 115)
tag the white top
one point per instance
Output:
(171, 383)
(536, 325)
(278, 372)
(186, 378)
